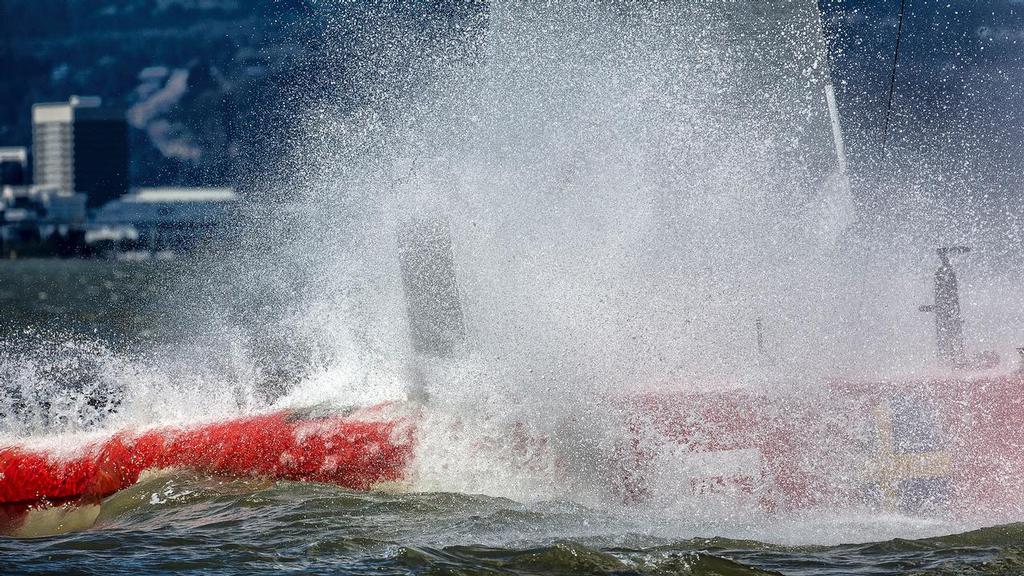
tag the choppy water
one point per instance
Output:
(181, 523)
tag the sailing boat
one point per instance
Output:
(951, 443)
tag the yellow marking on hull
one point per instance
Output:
(891, 467)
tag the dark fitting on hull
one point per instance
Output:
(949, 325)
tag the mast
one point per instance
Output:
(830, 98)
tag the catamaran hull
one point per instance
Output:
(356, 451)
(940, 447)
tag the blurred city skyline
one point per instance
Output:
(215, 85)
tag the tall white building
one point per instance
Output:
(80, 146)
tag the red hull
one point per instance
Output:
(951, 446)
(355, 451)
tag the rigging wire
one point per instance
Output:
(892, 80)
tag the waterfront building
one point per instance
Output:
(20, 197)
(66, 209)
(80, 146)
(50, 204)
(13, 166)
(20, 213)
(170, 218)
(41, 221)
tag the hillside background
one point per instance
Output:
(210, 85)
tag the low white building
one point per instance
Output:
(170, 218)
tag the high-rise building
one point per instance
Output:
(81, 146)
(13, 166)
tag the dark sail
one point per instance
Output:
(431, 292)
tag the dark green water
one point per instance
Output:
(185, 524)
(110, 300)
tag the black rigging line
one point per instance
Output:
(892, 80)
